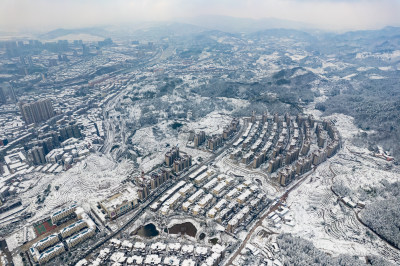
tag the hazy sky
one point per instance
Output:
(325, 14)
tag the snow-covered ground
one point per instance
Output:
(295, 56)
(91, 179)
(330, 225)
(362, 69)
(213, 123)
(154, 142)
(374, 76)
(348, 77)
(266, 58)
(335, 65)
(392, 56)
(88, 181)
(298, 73)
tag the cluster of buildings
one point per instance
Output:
(45, 149)
(124, 199)
(177, 161)
(21, 48)
(66, 238)
(10, 185)
(198, 139)
(125, 252)
(244, 201)
(25, 57)
(280, 216)
(13, 163)
(3, 95)
(255, 142)
(37, 142)
(328, 143)
(215, 141)
(44, 141)
(229, 130)
(44, 154)
(71, 151)
(264, 248)
(41, 120)
(219, 197)
(182, 163)
(159, 177)
(284, 144)
(171, 155)
(37, 111)
(264, 140)
(128, 196)
(146, 183)
(169, 199)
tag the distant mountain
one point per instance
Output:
(214, 24)
(180, 27)
(387, 38)
(157, 31)
(282, 33)
(243, 25)
(54, 34)
(382, 40)
(386, 32)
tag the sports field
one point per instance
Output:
(44, 227)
